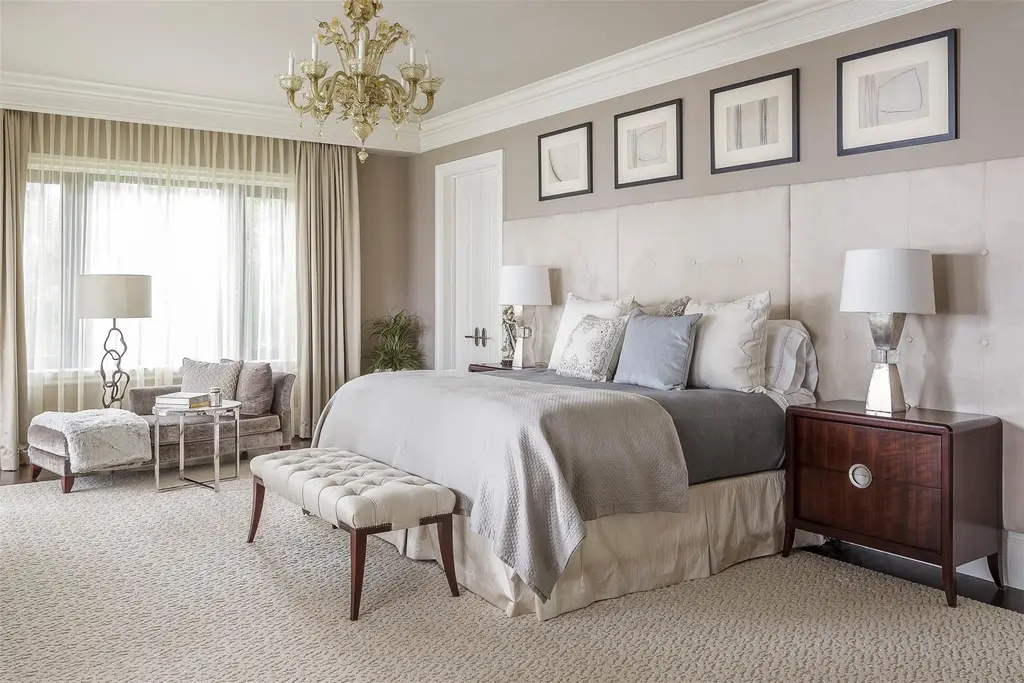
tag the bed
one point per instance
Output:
(726, 507)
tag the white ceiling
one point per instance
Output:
(231, 50)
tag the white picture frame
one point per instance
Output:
(898, 95)
(756, 123)
(565, 162)
(649, 144)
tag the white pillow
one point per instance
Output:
(790, 363)
(575, 308)
(670, 309)
(732, 339)
(592, 351)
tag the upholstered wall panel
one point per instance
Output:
(582, 251)
(715, 248)
(966, 357)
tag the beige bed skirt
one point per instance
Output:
(726, 522)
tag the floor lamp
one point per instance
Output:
(114, 296)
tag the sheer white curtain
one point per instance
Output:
(210, 216)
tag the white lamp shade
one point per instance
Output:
(888, 281)
(524, 286)
(114, 296)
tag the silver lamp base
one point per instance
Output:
(885, 391)
(519, 338)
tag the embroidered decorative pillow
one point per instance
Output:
(575, 308)
(199, 376)
(732, 340)
(790, 363)
(592, 350)
(666, 310)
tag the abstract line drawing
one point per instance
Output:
(893, 96)
(752, 124)
(564, 163)
(645, 146)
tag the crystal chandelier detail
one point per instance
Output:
(358, 91)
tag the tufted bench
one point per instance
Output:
(359, 495)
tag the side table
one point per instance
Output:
(216, 412)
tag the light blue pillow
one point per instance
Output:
(656, 351)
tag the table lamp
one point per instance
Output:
(114, 296)
(521, 286)
(887, 284)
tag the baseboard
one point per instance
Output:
(1013, 562)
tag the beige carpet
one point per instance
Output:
(116, 583)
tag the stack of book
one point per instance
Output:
(183, 400)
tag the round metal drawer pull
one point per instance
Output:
(860, 476)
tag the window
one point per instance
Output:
(220, 248)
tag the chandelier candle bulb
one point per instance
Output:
(412, 50)
(427, 58)
(291, 63)
(315, 48)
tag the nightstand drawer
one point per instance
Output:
(901, 513)
(894, 456)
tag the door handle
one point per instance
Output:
(479, 336)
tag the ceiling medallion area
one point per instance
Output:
(358, 91)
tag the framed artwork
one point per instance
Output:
(649, 144)
(565, 165)
(756, 123)
(898, 95)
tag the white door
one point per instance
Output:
(469, 214)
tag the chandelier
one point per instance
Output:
(358, 91)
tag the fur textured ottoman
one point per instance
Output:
(69, 444)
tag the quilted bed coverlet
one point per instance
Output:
(533, 461)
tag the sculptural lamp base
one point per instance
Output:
(522, 339)
(885, 391)
(115, 380)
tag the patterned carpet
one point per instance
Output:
(117, 583)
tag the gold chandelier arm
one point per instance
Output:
(302, 109)
(420, 111)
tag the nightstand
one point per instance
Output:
(488, 367)
(926, 484)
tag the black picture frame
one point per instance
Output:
(795, 156)
(953, 105)
(678, 173)
(589, 126)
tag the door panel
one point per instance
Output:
(477, 256)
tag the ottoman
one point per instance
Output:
(88, 441)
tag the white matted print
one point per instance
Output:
(756, 123)
(649, 144)
(564, 160)
(898, 95)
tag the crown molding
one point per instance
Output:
(51, 95)
(758, 30)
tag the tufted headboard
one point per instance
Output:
(716, 248)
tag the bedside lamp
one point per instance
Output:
(114, 296)
(887, 284)
(520, 286)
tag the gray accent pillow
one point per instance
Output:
(656, 351)
(255, 387)
(199, 376)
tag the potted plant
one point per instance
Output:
(396, 342)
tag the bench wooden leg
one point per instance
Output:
(444, 539)
(34, 470)
(66, 483)
(258, 490)
(357, 549)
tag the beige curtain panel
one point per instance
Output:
(329, 276)
(13, 373)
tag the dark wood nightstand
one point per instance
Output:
(488, 367)
(926, 484)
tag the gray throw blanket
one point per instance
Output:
(534, 461)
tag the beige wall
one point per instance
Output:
(992, 97)
(384, 233)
